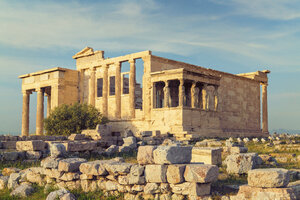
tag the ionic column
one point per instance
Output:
(118, 90)
(92, 87)
(132, 83)
(40, 111)
(166, 94)
(264, 108)
(193, 95)
(204, 97)
(48, 104)
(181, 93)
(25, 113)
(105, 91)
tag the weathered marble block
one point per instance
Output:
(191, 189)
(200, 173)
(156, 173)
(172, 155)
(268, 178)
(241, 163)
(33, 145)
(70, 164)
(175, 174)
(207, 155)
(145, 155)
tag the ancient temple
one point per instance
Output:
(185, 100)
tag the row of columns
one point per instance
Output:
(105, 92)
(207, 99)
(39, 110)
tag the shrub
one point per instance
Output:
(68, 119)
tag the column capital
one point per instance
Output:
(26, 92)
(264, 84)
(39, 89)
(166, 83)
(181, 81)
(131, 61)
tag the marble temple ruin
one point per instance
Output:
(185, 100)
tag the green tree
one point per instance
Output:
(68, 119)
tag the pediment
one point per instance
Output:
(87, 51)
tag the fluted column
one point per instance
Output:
(81, 85)
(92, 87)
(204, 97)
(132, 83)
(105, 91)
(25, 113)
(265, 108)
(40, 111)
(48, 104)
(181, 92)
(118, 90)
(193, 95)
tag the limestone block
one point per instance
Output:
(74, 146)
(9, 170)
(201, 173)
(23, 190)
(3, 182)
(9, 144)
(68, 196)
(70, 176)
(177, 197)
(88, 185)
(112, 150)
(123, 180)
(172, 155)
(86, 177)
(57, 150)
(13, 180)
(33, 155)
(136, 175)
(145, 155)
(33, 145)
(130, 141)
(138, 188)
(50, 162)
(146, 133)
(57, 194)
(240, 163)
(11, 156)
(206, 155)
(125, 149)
(256, 193)
(35, 178)
(53, 173)
(76, 137)
(175, 174)
(268, 178)
(156, 173)
(111, 186)
(70, 164)
(192, 189)
(237, 150)
(151, 188)
(117, 168)
(93, 168)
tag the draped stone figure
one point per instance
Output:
(196, 97)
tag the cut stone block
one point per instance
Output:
(117, 168)
(201, 173)
(50, 162)
(172, 155)
(80, 146)
(33, 155)
(33, 145)
(93, 168)
(76, 137)
(207, 155)
(175, 174)
(156, 173)
(70, 164)
(57, 150)
(270, 178)
(191, 189)
(145, 155)
(241, 163)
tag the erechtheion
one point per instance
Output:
(185, 100)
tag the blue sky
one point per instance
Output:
(235, 36)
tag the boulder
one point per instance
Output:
(93, 168)
(172, 155)
(70, 164)
(68, 196)
(11, 156)
(117, 168)
(32, 145)
(200, 173)
(156, 173)
(175, 174)
(76, 137)
(145, 155)
(9, 170)
(33, 155)
(268, 178)
(3, 182)
(23, 190)
(57, 194)
(13, 180)
(191, 189)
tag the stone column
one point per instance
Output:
(181, 93)
(92, 87)
(81, 85)
(264, 108)
(204, 97)
(166, 94)
(132, 83)
(105, 91)
(216, 98)
(48, 104)
(25, 113)
(193, 95)
(154, 103)
(118, 90)
(40, 111)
